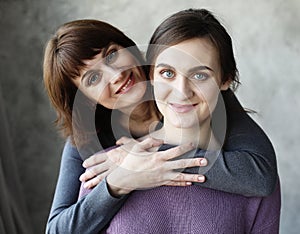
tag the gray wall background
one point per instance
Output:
(266, 37)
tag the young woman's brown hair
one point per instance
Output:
(191, 23)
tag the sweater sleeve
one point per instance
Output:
(246, 164)
(89, 214)
(267, 217)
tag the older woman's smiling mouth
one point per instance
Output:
(125, 87)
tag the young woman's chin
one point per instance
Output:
(182, 120)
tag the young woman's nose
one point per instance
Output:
(183, 88)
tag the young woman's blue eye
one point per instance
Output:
(167, 74)
(111, 56)
(200, 76)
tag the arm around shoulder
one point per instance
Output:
(70, 215)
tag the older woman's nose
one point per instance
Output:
(114, 75)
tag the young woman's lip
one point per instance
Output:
(182, 108)
(130, 77)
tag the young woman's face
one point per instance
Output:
(113, 78)
(187, 82)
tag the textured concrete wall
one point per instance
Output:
(266, 38)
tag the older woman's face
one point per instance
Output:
(113, 78)
(187, 82)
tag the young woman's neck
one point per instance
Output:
(201, 136)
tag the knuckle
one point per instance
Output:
(99, 178)
(150, 139)
(123, 138)
(195, 178)
(180, 177)
(92, 159)
(196, 162)
(176, 151)
(92, 171)
(181, 164)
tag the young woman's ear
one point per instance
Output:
(151, 77)
(225, 85)
(151, 80)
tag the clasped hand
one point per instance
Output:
(137, 165)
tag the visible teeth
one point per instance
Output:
(127, 83)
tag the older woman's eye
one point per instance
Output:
(93, 79)
(111, 56)
(167, 74)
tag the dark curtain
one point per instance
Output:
(14, 218)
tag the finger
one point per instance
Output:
(179, 183)
(87, 175)
(124, 140)
(147, 144)
(94, 171)
(177, 151)
(95, 181)
(183, 163)
(129, 145)
(94, 159)
(185, 177)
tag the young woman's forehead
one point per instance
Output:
(191, 52)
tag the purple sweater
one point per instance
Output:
(193, 209)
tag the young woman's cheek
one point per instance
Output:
(209, 93)
(161, 90)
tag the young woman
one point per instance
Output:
(191, 62)
(87, 58)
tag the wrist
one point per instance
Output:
(114, 189)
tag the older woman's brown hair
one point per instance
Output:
(65, 53)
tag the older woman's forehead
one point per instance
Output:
(95, 60)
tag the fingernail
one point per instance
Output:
(188, 183)
(203, 161)
(201, 178)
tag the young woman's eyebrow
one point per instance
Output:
(201, 67)
(164, 65)
(194, 69)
